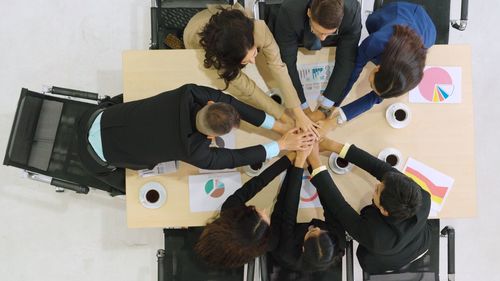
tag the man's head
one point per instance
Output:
(325, 17)
(397, 196)
(216, 119)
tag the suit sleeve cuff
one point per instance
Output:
(342, 118)
(268, 122)
(304, 106)
(344, 150)
(318, 170)
(327, 103)
(272, 149)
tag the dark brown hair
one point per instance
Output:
(318, 253)
(402, 63)
(227, 38)
(236, 237)
(221, 117)
(401, 196)
(327, 13)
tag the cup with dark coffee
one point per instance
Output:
(152, 195)
(398, 115)
(392, 156)
(338, 164)
(275, 94)
(254, 169)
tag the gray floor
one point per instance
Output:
(49, 236)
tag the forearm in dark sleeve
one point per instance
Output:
(334, 203)
(291, 205)
(288, 43)
(361, 105)
(223, 158)
(345, 60)
(368, 162)
(256, 184)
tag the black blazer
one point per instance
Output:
(287, 237)
(292, 29)
(241, 196)
(384, 243)
(143, 133)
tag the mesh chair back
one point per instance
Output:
(44, 140)
(182, 264)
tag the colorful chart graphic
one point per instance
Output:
(308, 191)
(436, 85)
(214, 188)
(437, 192)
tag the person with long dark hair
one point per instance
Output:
(399, 35)
(232, 40)
(302, 249)
(240, 232)
(393, 230)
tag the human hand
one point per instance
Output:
(295, 140)
(302, 155)
(313, 157)
(304, 123)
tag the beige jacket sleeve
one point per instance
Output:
(242, 87)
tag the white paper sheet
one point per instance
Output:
(440, 84)
(436, 183)
(308, 195)
(209, 191)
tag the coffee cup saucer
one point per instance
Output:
(389, 115)
(152, 185)
(388, 151)
(338, 170)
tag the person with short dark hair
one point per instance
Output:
(179, 125)
(302, 249)
(399, 35)
(314, 24)
(240, 233)
(393, 231)
(232, 40)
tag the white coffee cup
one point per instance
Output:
(152, 195)
(339, 165)
(276, 95)
(392, 156)
(398, 115)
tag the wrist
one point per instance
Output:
(299, 161)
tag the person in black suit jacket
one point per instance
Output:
(393, 231)
(174, 125)
(317, 23)
(301, 249)
(240, 233)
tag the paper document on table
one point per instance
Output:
(436, 183)
(314, 79)
(209, 191)
(439, 85)
(308, 195)
(225, 141)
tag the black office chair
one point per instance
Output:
(178, 261)
(44, 141)
(439, 11)
(425, 268)
(170, 17)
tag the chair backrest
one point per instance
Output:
(425, 268)
(44, 140)
(439, 12)
(181, 263)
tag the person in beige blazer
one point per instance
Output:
(231, 40)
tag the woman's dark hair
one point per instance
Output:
(222, 117)
(401, 196)
(227, 38)
(236, 237)
(327, 13)
(318, 253)
(402, 63)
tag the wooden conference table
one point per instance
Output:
(441, 136)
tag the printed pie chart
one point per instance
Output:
(308, 191)
(436, 85)
(214, 188)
